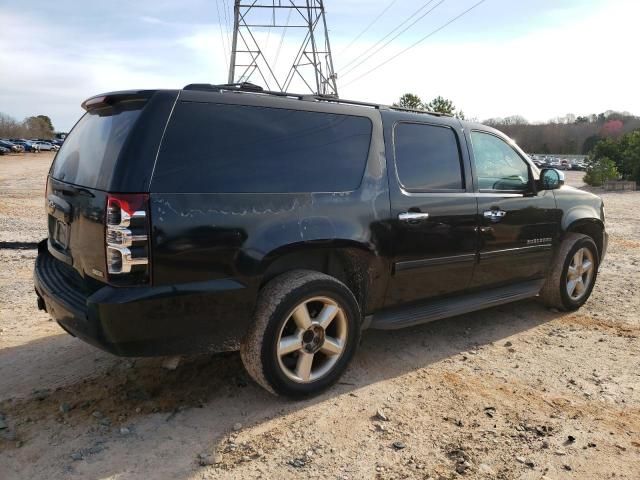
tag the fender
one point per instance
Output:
(579, 216)
(583, 212)
(582, 220)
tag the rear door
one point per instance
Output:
(433, 209)
(518, 227)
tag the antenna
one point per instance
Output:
(312, 65)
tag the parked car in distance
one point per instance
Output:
(4, 150)
(554, 163)
(540, 162)
(582, 166)
(285, 225)
(27, 145)
(11, 146)
(46, 146)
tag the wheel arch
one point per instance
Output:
(591, 227)
(354, 264)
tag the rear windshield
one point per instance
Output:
(215, 148)
(89, 153)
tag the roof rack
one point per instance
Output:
(247, 87)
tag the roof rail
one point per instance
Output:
(331, 98)
(247, 87)
(244, 86)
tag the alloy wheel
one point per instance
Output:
(312, 339)
(580, 273)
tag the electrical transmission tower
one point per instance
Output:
(312, 65)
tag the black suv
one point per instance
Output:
(220, 218)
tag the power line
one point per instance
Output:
(430, 34)
(227, 20)
(284, 32)
(222, 36)
(366, 29)
(394, 37)
(396, 28)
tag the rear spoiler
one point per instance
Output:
(111, 98)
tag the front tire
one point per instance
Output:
(305, 332)
(573, 275)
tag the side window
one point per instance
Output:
(427, 157)
(218, 148)
(499, 166)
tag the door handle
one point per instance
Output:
(412, 217)
(494, 215)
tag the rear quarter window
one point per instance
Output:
(218, 148)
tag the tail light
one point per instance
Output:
(127, 236)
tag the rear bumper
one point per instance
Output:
(144, 321)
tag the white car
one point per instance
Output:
(47, 147)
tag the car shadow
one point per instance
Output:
(61, 380)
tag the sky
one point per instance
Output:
(540, 59)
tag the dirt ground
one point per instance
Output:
(516, 391)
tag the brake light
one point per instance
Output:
(127, 235)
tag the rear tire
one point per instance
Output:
(572, 276)
(305, 332)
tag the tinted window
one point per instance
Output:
(427, 157)
(89, 153)
(233, 148)
(498, 165)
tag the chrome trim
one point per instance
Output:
(125, 218)
(127, 260)
(515, 251)
(494, 215)
(412, 216)
(126, 235)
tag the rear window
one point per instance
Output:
(89, 153)
(215, 148)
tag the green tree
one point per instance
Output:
(629, 161)
(590, 143)
(410, 100)
(47, 121)
(606, 147)
(441, 105)
(38, 127)
(600, 170)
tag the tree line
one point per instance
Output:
(611, 139)
(615, 158)
(567, 135)
(39, 126)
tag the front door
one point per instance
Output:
(518, 227)
(434, 212)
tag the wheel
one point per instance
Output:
(305, 331)
(573, 275)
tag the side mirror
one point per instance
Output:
(551, 179)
